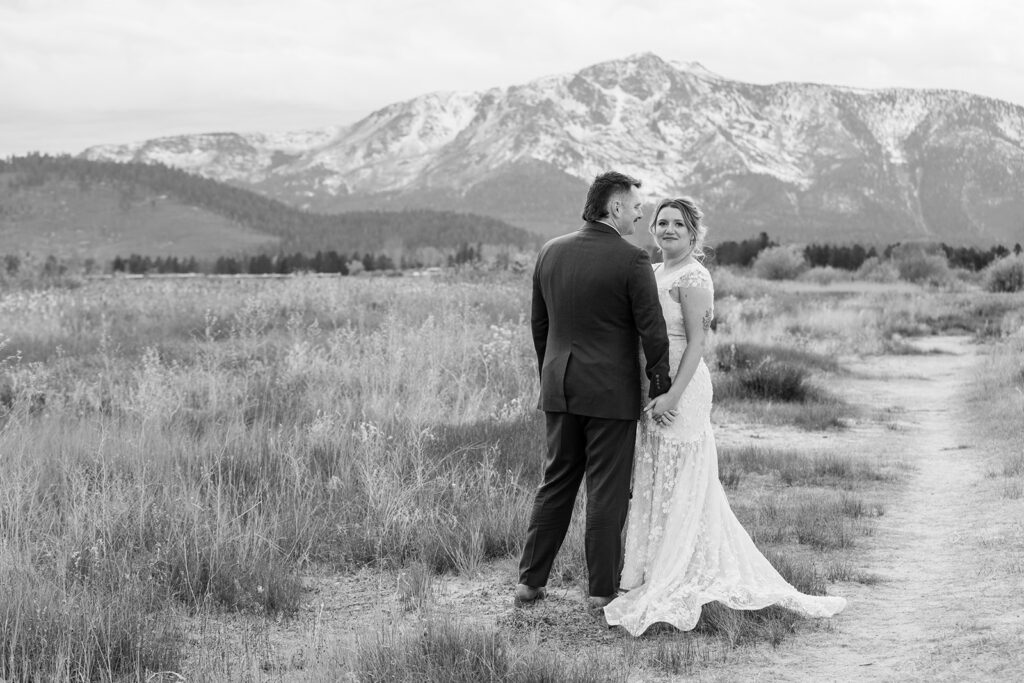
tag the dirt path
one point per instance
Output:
(951, 602)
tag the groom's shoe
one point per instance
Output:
(527, 595)
(595, 607)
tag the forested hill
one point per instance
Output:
(269, 224)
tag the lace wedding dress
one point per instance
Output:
(684, 546)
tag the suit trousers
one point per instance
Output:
(602, 449)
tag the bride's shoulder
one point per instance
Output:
(695, 275)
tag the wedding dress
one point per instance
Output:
(684, 546)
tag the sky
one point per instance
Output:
(76, 73)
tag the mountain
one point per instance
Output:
(67, 206)
(801, 161)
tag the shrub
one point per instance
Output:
(902, 250)
(930, 269)
(742, 355)
(768, 381)
(1005, 275)
(780, 263)
(772, 383)
(877, 270)
(755, 371)
(729, 283)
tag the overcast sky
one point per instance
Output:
(75, 73)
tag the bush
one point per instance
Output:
(1005, 275)
(768, 381)
(877, 270)
(729, 283)
(929, 269)
(768, 373)
(780, 263)
(772, 384)
(747, 355)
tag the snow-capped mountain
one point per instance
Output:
(801, 161)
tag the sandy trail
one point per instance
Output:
(951, 602)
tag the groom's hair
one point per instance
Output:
(604, 187)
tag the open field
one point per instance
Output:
(314, 478)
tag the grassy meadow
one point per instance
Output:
(174, 449)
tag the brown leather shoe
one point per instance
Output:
(595, 603)
(528, 595)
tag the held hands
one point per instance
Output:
(663, 409)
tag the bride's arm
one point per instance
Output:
(697, 304)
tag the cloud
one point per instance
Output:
(230, 59)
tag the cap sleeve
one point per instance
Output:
(695, 276)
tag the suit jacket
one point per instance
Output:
(594, 294)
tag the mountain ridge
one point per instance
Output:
(802, 161)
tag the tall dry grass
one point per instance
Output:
(445, 651)
(187, 445)
(181, 447)
(997, 405)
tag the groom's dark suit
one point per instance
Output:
(594, 295)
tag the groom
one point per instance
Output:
(593, 294)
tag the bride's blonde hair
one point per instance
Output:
(692, 216)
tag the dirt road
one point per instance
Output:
(949, 550)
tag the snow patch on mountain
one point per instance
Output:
(697, 69)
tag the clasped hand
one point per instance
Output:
(663, 409)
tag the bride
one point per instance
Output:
(684, 545)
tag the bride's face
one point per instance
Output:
(670, 233)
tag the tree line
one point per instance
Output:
(284, 264)
(14, 265)
(743, 254)
(730, 253)
(335, 242)
(853, 256)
